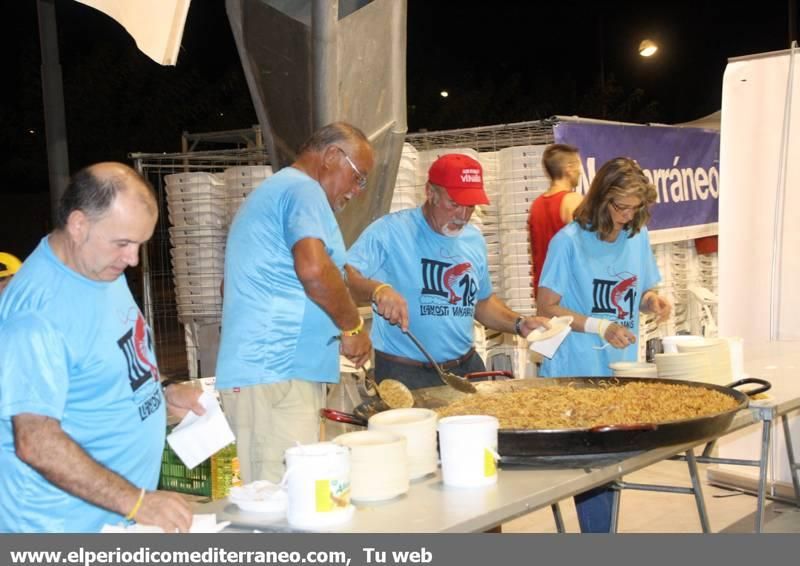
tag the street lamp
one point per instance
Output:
(444, 94)
(647, 48)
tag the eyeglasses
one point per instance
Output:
(361, 178)
(622, 209)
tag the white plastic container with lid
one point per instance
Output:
(468, 445)
(318, 480)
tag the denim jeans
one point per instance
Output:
(417, 377)
(594, 509)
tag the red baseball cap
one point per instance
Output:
(462, 178)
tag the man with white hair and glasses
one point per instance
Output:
(426, 270)
(287, 313)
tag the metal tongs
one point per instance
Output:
(451, 379)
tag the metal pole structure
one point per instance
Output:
(324, 17)
(53, 99)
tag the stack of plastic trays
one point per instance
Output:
(196, 199)
(683, 272)
(521, 181)
(406, 192)
(489, 216)
(198, 212)
(479, 339)
(648, 327)
(708, 274)
(494, 340)
(240, 182)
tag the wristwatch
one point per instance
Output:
(518, 325)
(169, 381)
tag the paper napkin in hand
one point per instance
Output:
(199, 437)
(547, 341)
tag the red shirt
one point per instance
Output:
(544, 220)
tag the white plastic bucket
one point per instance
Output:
(468, 448)
(318, 478)
(419, 428)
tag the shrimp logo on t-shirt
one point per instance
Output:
(137, 346)
(447, 288)
(617, 297)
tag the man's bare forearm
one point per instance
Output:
(361, 288)
(42, 444)
(323, 283)
(495, 314)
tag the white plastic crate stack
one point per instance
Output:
(490, 215)
(407, 191)
(198, 213)
(702, 295)
(521, 182)
(678, 318)
(708, 276)
(240, 182)
(486, 219)
(683, 270)
(648, 326)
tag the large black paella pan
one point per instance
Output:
(521, 444)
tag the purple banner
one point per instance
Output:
(682, 163)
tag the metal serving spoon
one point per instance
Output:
(451, 379)
(394, 393)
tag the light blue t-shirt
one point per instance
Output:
(602, 280)
(271, 330)
(442, 278)
(78, 351)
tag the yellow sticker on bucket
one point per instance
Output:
(489, 467)
(324, 503)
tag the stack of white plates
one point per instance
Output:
(418, 426)
(378, 464)
(693, 366)
(719, 358)
(633, 369)
(671, 343)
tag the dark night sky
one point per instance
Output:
(500, 61)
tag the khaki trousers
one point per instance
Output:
(269, 418)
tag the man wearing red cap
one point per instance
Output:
(425, 270)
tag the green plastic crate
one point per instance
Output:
(211, 478)
(175, 476)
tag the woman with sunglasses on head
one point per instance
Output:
(600, 270)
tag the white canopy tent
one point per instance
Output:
(759, 267)
(156, 25)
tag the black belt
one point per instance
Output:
(449, 364)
